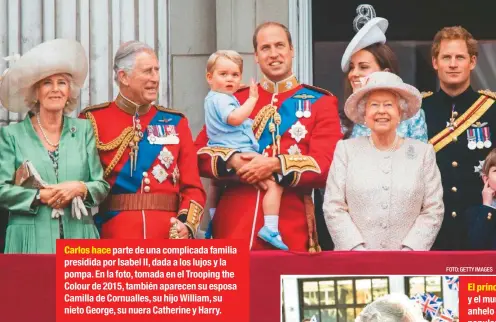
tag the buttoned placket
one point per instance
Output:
(385, 165)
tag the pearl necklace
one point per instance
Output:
(44, 134)
(391, 149)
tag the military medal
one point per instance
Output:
(160, 134)
(480, 140)
(487, 137)
(471, 139)
(298, 131)
(452, 124)
(307, 113)
(171, 130)
(175, 175)
(151, 137)
(166, 157)
(159, 173)
(171, 135)
(299, 109)
(154, 133)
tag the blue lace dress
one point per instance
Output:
(414, 128)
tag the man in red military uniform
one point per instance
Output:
(297, 127)
(148, 155)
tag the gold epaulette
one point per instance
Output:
(318, 89)
(488, 93)
(426, 94)
(96, 107)
(169, 110)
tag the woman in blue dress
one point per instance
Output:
(368, 53)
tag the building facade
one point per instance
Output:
(183, 33)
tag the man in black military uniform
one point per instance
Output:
(460, 123)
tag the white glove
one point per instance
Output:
(78, 209)
(56, 213)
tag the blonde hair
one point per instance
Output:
(489, 162)
(72, 100)
(232, 55)
(454, 33)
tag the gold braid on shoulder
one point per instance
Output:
(261, 119)
(121, 142)
(488, 93)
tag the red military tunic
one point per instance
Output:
(306, 149)
(164, 183)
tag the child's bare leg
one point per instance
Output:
(213, 195)
(271, 204)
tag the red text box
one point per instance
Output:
(478, 298)
(152, 280)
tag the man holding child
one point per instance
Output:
(296, 127)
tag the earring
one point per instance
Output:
(66, 103)
(35, 101)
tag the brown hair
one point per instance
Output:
(489, 162)
(268, 24)
(228, 54)
(454, 33)
(385, 58)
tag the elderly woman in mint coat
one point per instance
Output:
(62, 149)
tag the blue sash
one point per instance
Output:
(288, 115)
(147, 154)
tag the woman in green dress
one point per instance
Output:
(46, 81)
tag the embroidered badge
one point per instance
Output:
(164, 120)
(159, 173)
(298, 131)
(175, 175)
(166, 157)
(294, 150)
(265, 85)
(303, 96)
(288, 85)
